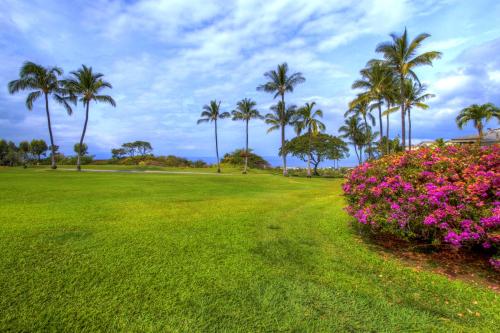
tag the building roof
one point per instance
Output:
(491, 135)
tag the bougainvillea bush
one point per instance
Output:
(442, 196)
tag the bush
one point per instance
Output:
(163, 161)
(439, 196)
(237, 158)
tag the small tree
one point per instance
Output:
(24, 149)
(118, 153)
(39, 148)
(322, 147)
(83, 149)
(142, 147)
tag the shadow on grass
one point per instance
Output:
(454, 263)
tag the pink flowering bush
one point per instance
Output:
(441, 196)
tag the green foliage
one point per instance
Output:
(84, 149)
(163, 161)
(237, 157)
(478, 115)
(38, 148)
(322, 147)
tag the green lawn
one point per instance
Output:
(202, 253)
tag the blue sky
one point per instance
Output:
(166, 59)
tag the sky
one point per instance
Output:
(166, 59)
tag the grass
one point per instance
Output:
(202, 253)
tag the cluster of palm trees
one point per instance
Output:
(82, 85)
(391, 84)
(280, 82)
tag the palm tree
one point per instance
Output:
(85, 85)
(307, 119)
(279, 118)
(478, 115)
(401, 56)
(376, 80)
(354, 130)
(414, 96)
(42, 81)
(360, 107)
(211, 113)
(279, 83)
(245, 110)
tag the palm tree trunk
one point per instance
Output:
(217, 147)
(409, 128)
(380, 121)
(357, 155)
(309, 156)
(78, 166)
(246, 150)
(480, 132)
(387, 129)
(52, 146)
(285, 171)
(403, 129)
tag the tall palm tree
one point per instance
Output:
(414, 96)
(280, 82)
(478, 115)
(306, 119)
(211, 113)
(401, 56)
(354, 130)
(376, 80)
(278, 119)
(86, 85)
(42, 81)
(245, 110)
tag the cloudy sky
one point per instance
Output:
(166, 59)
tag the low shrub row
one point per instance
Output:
(438, 196)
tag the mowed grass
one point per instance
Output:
(204, 253)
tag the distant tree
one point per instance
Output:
(401, 56)
(142, 147)
(245, 110)
(320, 148)
(129, 149)
(280, 82)
(24, 149)
(83, 150)
(211, 113)
(41, 81)
(4, 149)
(86, 85)
(118, 153)
(478, 115)
(39, 148)
(278, 119)
(306, 119)
(241, 157)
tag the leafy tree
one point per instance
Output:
(118, 153)
(211, 113)
(24, 149)
(245, 110)
(142, 147)
(86, 85)
(41, 81)
(278, 119)
(39, 148)
(306, 119)
(401, 56)
(361, 107)
(279, 83)
(241, 157)
(83, 150)
(319, 148)
(4, 149)
(129, 149)
(478, 115)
